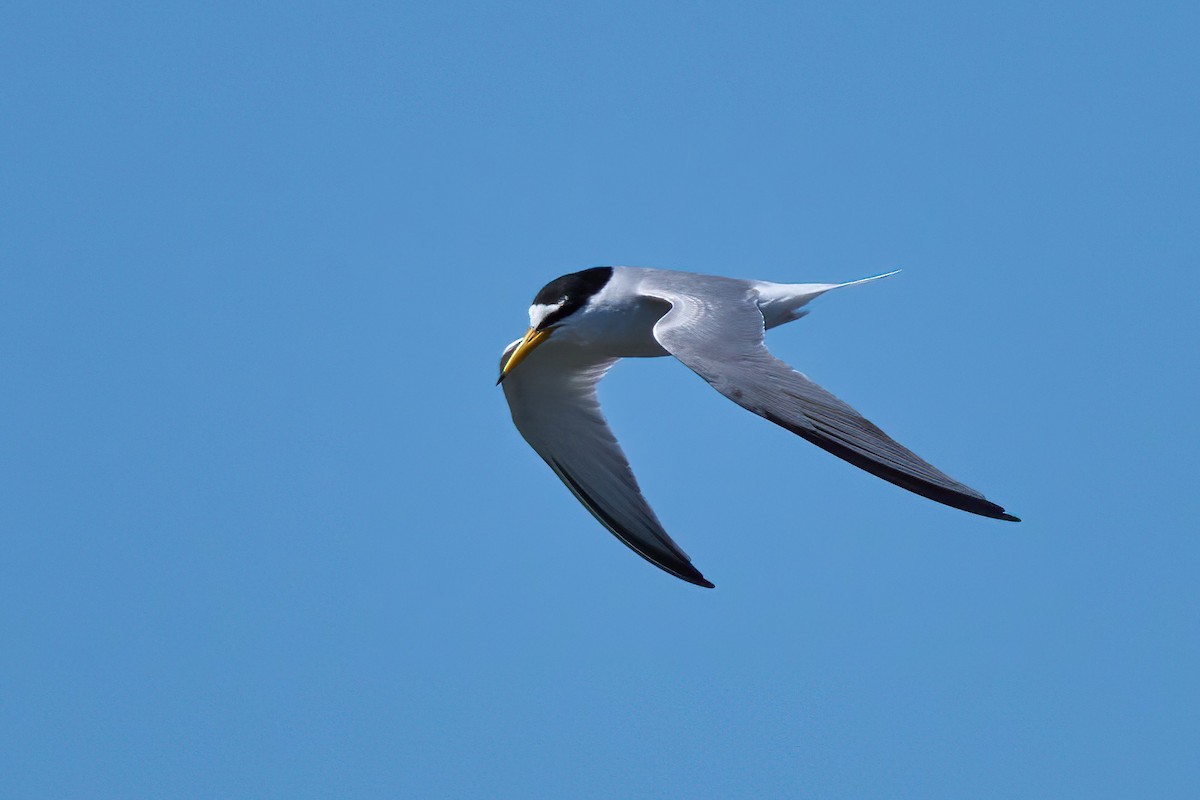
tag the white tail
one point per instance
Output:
(866, 280)
(781, 302)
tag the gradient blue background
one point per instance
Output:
(267, 530)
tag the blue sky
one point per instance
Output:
(267, 530)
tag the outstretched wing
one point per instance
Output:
(553, 402)
(717, 331)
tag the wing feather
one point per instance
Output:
(553, 402)
(717, 331)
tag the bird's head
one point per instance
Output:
(556, 306)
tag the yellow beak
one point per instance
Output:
(532, 339)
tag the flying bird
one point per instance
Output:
(582, 323)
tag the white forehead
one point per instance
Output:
(539, 311)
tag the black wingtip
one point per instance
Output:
(682, 570)
(913, 483)
(686, 572)
(696, 579)
(984, 508)
(674, 563)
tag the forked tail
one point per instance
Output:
(782, 302)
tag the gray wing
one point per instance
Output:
(553, 402)
(716, 329)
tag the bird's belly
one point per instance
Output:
(640, 350)
(623, 344)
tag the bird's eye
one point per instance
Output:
(563, 296)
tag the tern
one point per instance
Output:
(582, 323)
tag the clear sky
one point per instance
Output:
(267, 531)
